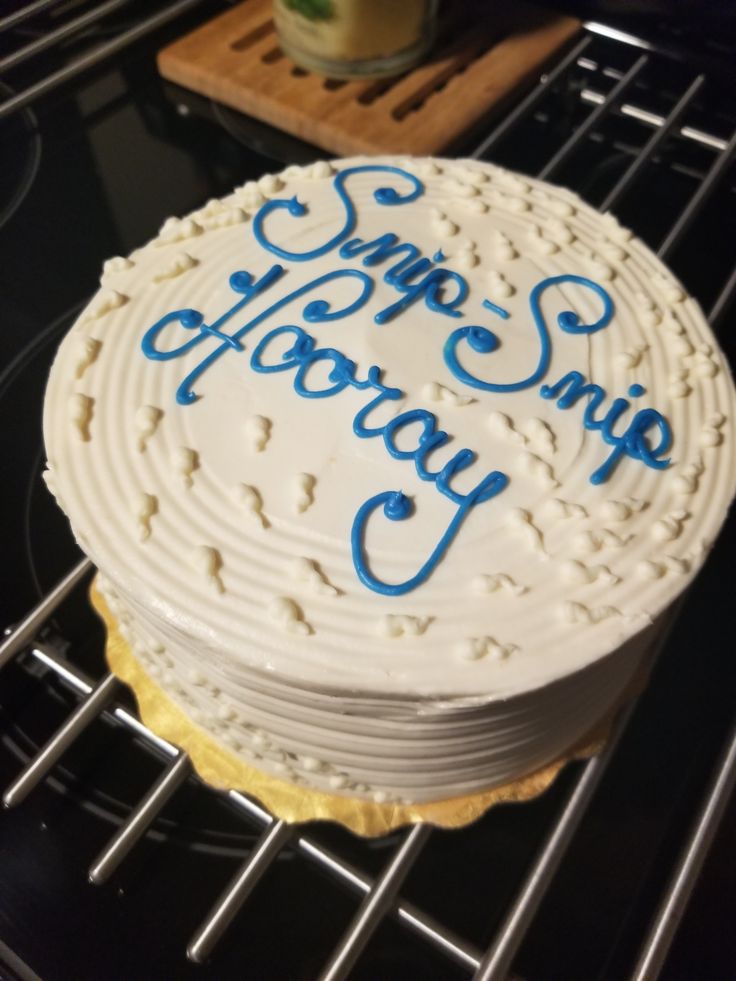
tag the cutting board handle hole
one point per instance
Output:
(249, 39)
(275, 54)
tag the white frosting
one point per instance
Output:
(174, 266)
(88, 348)
(208, 562)
(185, 461)
(498, 581)
(307, 571)
(147, 419)
(252, 503)
(477, 675)
(258, 432)
(303, 485)
(81, 408)
(103, 303)
(144, 508)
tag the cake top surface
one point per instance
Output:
(411, 427)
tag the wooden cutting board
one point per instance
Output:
(484, 51)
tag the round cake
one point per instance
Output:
(391, 466)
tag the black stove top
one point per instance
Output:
(91, 171)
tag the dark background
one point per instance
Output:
(91, 172)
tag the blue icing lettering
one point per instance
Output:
(316, 311)
(568, 321)
(430, 439)
(432, 287)
(495, 308)
(299, 356)
(385, 394)
(322, 372)
(302, 355)
(633, 441)
(402, 276)
(384, 195)
(397, 507)
(379, 250)
(240, 282)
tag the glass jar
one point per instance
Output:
(356, 38)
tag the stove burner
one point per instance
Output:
(19, 169)
(260, 137)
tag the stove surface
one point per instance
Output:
(92, 171)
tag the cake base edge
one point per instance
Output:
(296, 804)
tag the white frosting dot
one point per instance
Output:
(81, 408)
(615, 511)
(147, 419)
(144, 508)
(104, 303)
(320, 170)
(89, 349)
(402, 625)
(116, 264)
(208, 562)
(270, 184)
(258, 432)
(185, 461)
(303, 491)
(648, 569)
(287, 614)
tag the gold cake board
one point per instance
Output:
(293, 803)
(483, 54)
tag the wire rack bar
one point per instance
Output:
(614, 34)
(589, 65)
(424, 926)
(557, 159)
(376, 904)
(131, 832)
(76, 680)
(271, 842)
(85, 713)
(683, 223)
(497, 961)
(25, 13)
(653, 119)
(23, 634)
(498, 958)
(658, 137)
(66, 30)
(723, 301)
(638, 112)
(531, 100)
(681, 885)
(95, 56)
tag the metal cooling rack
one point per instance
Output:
(79, 29)
(608, 93)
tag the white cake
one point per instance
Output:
(258, 544)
